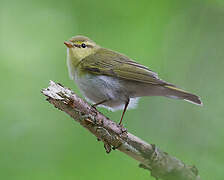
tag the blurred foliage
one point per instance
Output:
(181, 40)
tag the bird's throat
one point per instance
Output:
(72, 58)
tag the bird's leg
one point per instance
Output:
(96, 104)
(101, 102)
(125, 108)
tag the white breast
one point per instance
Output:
(97, 88)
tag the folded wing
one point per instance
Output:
(110, 63)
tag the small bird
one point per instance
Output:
(113, 80)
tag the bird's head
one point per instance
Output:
(80, 47)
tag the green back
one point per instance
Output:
(110, 63)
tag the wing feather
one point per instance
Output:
(110, 63)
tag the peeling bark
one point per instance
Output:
(159, 163)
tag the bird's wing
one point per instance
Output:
(110, 63)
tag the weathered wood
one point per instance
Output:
(159, 163)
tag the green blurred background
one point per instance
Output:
(181, 40)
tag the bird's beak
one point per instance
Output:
(68, 44)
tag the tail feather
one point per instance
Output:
(174, 92)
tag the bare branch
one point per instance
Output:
(159, 163)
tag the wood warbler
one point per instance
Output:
(113, 80)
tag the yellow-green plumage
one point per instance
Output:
(103, 74)
(111, 63)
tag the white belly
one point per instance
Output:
(97, 88)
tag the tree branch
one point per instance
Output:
(161, 165)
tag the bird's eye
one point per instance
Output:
(83, 45)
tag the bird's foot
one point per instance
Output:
(122, 128)
(99, 103)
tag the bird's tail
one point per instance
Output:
(176, 93)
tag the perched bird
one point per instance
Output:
(113, 80)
